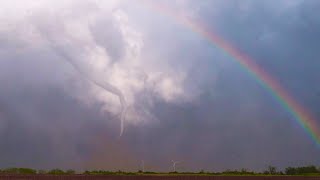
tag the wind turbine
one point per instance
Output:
(174, 165)
(142, 164)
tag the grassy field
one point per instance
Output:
(308, 172)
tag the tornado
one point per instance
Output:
(104, 85)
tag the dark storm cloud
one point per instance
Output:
(189, 101)
(239, 123)
(283, 41)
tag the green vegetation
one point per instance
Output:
(18, 171)
(302, 170)
(270, 171)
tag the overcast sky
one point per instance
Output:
(71, 70)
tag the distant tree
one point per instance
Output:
(271, 170)
(10, 171)
(245, 171)
(19, 171)
(41, 171)
(308, 170)
(56, 172)
(173, 172)
(290, 171)
(70, 171)
(227, 171)
(301, 170)
(86, 172)
(27, 171)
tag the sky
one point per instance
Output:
(92, 84)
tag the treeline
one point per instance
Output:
(33, 171)
(302, 170)
(293, 170)
(307, 170)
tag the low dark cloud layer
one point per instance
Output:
(187, 99)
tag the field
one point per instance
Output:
(106, 177)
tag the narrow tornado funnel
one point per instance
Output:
(85, 72)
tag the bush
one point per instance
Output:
(41, 171)
(19, 171)
(70, 171)
(56, 172)
(301, 170)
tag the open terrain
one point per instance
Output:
(100, 177)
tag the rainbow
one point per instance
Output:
(300, 114)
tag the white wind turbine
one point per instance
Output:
(142, 165)
(174, 165)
